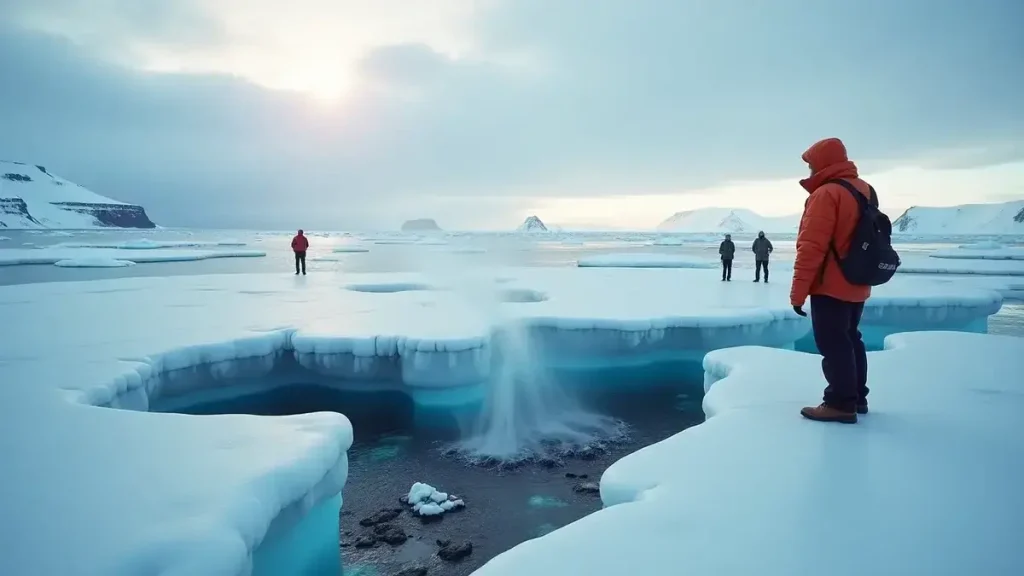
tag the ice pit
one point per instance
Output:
(594, 319)
(389, 287)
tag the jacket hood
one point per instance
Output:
(827, 159)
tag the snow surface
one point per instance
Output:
(927, 483)
(639, 260)
(917, 264)
(147, 244)
(973, 253)
(93, 263)
(966, 219)
(39, 194)
(912, 263)
(52, 255)
(732, 220)
(198, 495)
(349, 249)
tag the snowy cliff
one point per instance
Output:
(728, 220)
(532, 224)
(966, 219)
(32, 197)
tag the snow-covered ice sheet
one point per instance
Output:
(927, 483)
(148, 244)
(24, 256)
(1001, 253)
(919, 264)
(640, 260)
(195, 495)
(93, 263)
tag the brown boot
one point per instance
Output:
(826, 413)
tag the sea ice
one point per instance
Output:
(999, 253)
(914, 264)
(927, 483)
(635, 260)
(52, 255)
(349, 249)
(93, 263)
(147, 244)
(3, 238)
(208, 495)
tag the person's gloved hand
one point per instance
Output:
(800, 310)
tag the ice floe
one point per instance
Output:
(52, 255)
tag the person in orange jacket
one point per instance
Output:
(299, 245)
(828, 224)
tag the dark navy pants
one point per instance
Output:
(844, 360)
(727, 269)
(761, 264)
(300, 258)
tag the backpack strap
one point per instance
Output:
(861, 201)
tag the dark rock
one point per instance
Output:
(403, 500)
(583, 476)
(430, 519)
(443, 543)
(346, 512)
(549, 463)
(455, 552)
(588, 453)
(365, 541)
(385, 515)
(587, 488)
(391, 534)
(413, 571)
(570, 475)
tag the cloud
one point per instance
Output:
(569, 99)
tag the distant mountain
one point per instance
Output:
(532, 224)
(420, 225)
(32, 197)
(966, 219)
(728, 220)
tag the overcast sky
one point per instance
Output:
(359, 114)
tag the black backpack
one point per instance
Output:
(871, 260)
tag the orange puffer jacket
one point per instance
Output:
(830, 216)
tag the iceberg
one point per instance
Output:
(179, 494)
(758, 490)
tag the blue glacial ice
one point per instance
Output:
(180, 494)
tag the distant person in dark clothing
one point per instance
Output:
(762, 248)
(727, 250)
(299, 245)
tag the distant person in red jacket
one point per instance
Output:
(299, 245)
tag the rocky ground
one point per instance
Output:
(382, 536)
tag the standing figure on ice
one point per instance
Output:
(762, 248)
(843, 248)
(299, 245)
(727, 250)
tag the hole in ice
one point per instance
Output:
(388, 287)
(545, 436)
(522, 295)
